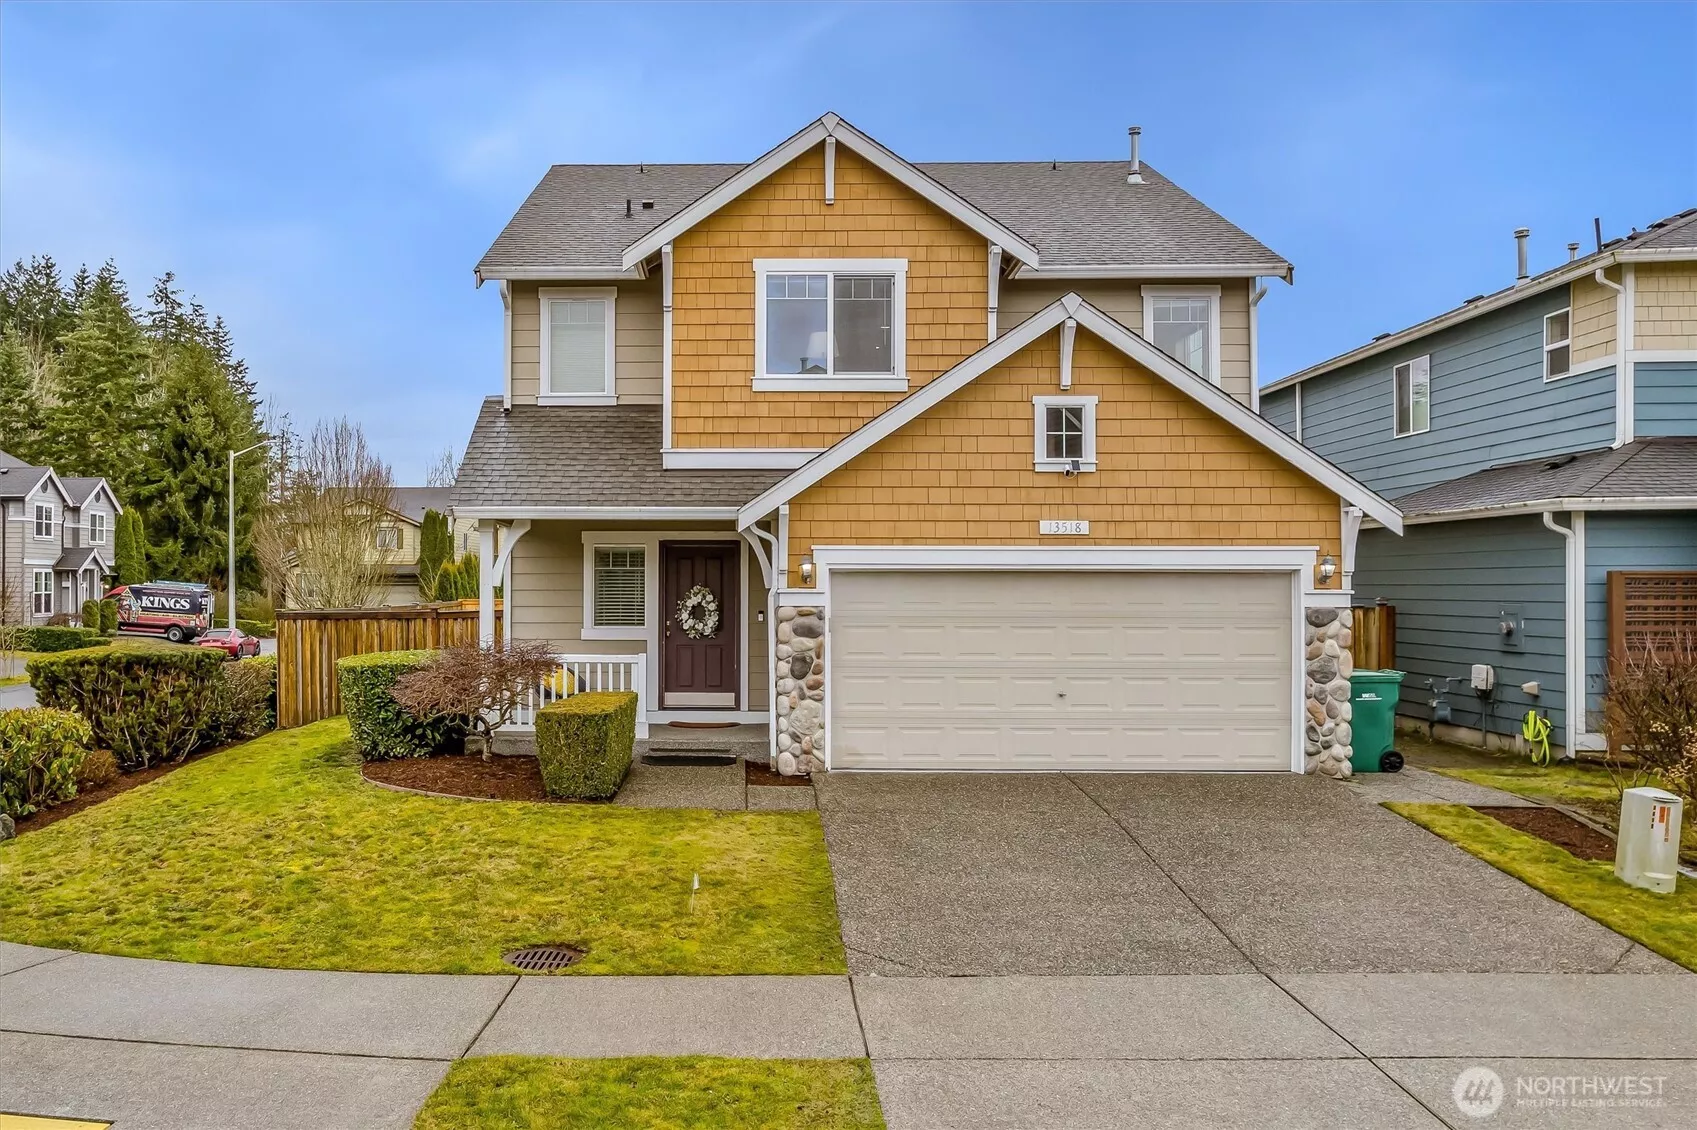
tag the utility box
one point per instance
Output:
(1647, 851)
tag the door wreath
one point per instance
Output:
(698, 613)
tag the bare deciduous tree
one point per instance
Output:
(483, 685)
(1651, 716)
(444, 469)
(338, 495)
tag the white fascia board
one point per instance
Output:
(1275, 269)
(1544, 505)
(1199, 389)
(828, 126)
(1559, 277)
(736, 458)
(599, 513)
(608, 273)
(1656, 255)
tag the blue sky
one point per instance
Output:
(326, 176)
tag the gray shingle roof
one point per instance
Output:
(1077, 213)
(80, 488)
(414, 501)
(1676, 233)
(76, 560)
(1661, 467)
(18, 479)
(586, 456)
(7, 459)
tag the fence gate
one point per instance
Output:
(1372, 639)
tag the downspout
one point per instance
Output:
(1255, 298)
(1296, 391)
(1623, 331)
(767, 556)
(1574, 603)
(506, 346)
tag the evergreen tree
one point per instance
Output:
(20, 401)
(131, 551)
(97, 421)
(435, 547)
(34, 306)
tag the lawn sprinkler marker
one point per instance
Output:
(695, 885)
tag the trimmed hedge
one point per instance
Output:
(91, 614)
(41, 751)
(584, 743)
(382, 729)
(246, 703)
(108, 617)
(145, 706)
(54, 638)
(259, 628)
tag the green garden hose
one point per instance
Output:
(1536, 730)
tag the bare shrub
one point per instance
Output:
(1651, 716)
(483, 685)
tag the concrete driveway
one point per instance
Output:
(995, 874)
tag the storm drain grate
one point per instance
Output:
(542, 959)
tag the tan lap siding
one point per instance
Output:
(1171, 472)
(1666, 306)
(785, 217)
(1123, 301)
(637, 340)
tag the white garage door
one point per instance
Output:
(1060, 670)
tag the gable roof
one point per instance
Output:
(1089, 317)
(412, 502)
(82, 488)
(7, 459)
(20, 480)
(1080, 216)
(1674, 238)
(1660, 470)
(829, 126)
(606, 458)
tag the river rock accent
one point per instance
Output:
(1326, 724)
(799, 680)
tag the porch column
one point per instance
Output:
(486, 582)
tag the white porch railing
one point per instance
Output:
(579, 673)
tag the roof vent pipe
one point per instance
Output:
(1572, 252)
(1520, 235)
(1136, 174)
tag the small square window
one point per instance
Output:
(1558, 344)
(620, 580)
(1065, 433)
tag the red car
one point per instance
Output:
(233, 642)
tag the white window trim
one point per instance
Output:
(1212, 293)
(650, 575)
(97, 520)
(895, 381)
(1039, 409)
(35, 521)
(1567, 341)
(1426, 357)
(550, 293)
(377, 539)
(37, 592)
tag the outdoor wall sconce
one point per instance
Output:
(807, 570)
(1328, 568)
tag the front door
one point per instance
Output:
(700, 625)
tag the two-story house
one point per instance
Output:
(942, 466)
(399, 538)
(55, 541)
(1541, 442)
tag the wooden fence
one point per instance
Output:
(310, 642)
(1649, 610)
(1372, 643)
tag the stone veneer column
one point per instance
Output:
(798, 669)
(1329, 666)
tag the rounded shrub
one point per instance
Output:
(98, 768)
(41, 750)
(108, 617)
(144, 706)
(57, 637)
(584, 743)
(382, 728)
(91, 614)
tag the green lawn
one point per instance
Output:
(1579, 785)
(1664, 923)
(277, 853)
(684, 1093)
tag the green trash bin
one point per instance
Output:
(1373, 696)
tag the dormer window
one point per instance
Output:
(577, 345)
(826, 325)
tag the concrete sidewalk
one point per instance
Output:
(187, 1046)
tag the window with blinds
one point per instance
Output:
(620, 589)
(579, 353)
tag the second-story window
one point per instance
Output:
(1558, 351)
(830, 323)
(577, 344)
(1184, 323)
(1412, 388)
(97, 529)
(43, 520)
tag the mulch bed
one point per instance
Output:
(1555, 827)
(88, 798)
(467, 775)
(755, 774)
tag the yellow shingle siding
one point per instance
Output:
(1593, 307)
(1170, 472)
(1665, 306)
(786, 217)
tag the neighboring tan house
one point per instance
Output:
(944, 466)
(1541, 442)
(56, 541)
(397, 539)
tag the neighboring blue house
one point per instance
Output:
(1536, 440)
